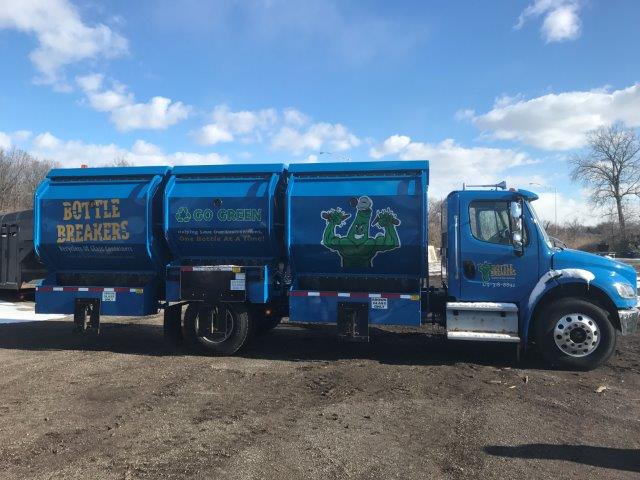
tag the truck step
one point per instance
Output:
(483, 306)
(482, 321)
(483, 337)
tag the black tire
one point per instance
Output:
(239, 330)
(574, 333)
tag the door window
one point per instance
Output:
(490, 221)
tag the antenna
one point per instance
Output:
(502, 185)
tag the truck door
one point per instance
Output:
(490, 269)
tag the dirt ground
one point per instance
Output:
(298, 404)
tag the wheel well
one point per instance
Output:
(586, 292)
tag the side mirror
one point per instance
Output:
(515, 212)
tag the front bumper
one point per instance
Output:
(629, 320)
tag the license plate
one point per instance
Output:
(108, 296)
(379, 303)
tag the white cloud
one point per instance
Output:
(569, 208)
(226, 125)
(21, 135)
(5, 141)
(560, 121)
(295, 118)
(8, 140)
(318, 136)
(287, 130)
(561, 20)
(452, 164)
(212, 134)
(73, 153)
(157, 114)
(391, 146)
(63, 38)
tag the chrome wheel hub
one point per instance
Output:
(577, 334)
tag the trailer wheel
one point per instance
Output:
(232, 336)
(575, 333)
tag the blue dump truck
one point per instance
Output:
(228, 250)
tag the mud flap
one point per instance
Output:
(171, 326)
(353, 321)
(86, 315)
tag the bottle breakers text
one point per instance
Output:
(98, 225)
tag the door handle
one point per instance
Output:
(469, 269)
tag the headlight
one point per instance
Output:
(625, 290)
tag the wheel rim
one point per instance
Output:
(216, 338)
(577, 335)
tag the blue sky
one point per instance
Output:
(484, 90)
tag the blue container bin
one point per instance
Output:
(99, 233)
(357, 232)
(225, 215)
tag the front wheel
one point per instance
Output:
(575, 333)
(219, 329)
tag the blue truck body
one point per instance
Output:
(359, 256)
(224, 215)
(333, 243)
(98, 233)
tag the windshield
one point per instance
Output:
(541, 229)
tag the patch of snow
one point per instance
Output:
(579, 273)
(22, 312)
(435, 268)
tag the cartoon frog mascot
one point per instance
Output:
(357, 248)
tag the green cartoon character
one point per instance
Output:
(357, 248)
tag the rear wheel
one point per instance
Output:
(219, 329)
(575, 333)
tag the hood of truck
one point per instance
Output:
(599, 266)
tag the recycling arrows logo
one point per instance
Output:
(183, 215)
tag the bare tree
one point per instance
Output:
(611, 168)
(120, 161)
(20, 174)
(435, 218)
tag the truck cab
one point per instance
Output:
(506, 280)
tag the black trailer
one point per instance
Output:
(19, 264)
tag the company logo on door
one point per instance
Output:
(495, 273)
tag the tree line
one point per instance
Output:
(20, 174)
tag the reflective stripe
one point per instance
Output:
(47, 288)
(212, 268)
(396, 296)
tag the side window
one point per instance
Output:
(490, 222)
